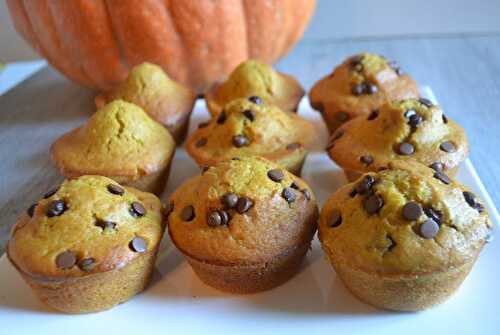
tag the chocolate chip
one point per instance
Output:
(437, 166)
(412, 211)
(428, 229)
(249, 114)
(440, 175)
(445, 119)
(244, 204)
(306, 194)
(373, 115)
(229, 200)
(353, 193)
(203, 124)
(201, 142)
(366, 159)
(115, 189)
(335, 219)
(356, 59)
(187, 213)
(214, 219)
(415, 120)
(65, 260)
(426, 102)
(288, 194)
(138, 244)
(137, 209)
(104, 224)
(293, 146)
(87, 264)
(56, 208)
(31, 210)
(406, 149)
(50, 193)
(373, 203)
(221, 118)
(236, 159)
(342, 116)
(448, 146)
(365, 184)
(240, 141)
(204, 169)
(358, 89)
(295, 186)
(225, 217)
(275, 175)
(470, 198)
(255, 99)
(433, 214)
(371, 88)
(409, 113)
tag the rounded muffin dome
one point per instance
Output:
(412, 129)
(359, 85)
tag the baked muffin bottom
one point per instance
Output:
(154, 182)
(250, 278)
(353, 175)
(94, 292)
(400, 292)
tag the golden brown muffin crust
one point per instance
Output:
(93, 224)
(369, 143)
(394, 239)
(359, 85)
(247, 128)
(253, 78)
(120, 139)
(267, 227)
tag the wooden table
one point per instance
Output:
(464, 73)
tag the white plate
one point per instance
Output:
(314, 300)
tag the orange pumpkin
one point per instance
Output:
(197, 42)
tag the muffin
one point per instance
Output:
(412, 129)
(361, 84)
(258, 81)
(120, 141)
(244, 225)
(88, 245)
(246, 127)
(404, 238)
(166, 101)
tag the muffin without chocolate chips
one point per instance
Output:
(247, 128)
(361, 84)
(408, 130)
(120, 141)
(89, 245)
(244, 225)
(259, 81)
(403, 239)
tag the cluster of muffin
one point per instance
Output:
(403, 236)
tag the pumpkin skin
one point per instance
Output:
(197, 42)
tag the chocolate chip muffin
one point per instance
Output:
(244, 225)
(412, 129)
(403, 238)
(258, 81)
(88, 245)
(361, 84)
(120, 141)
(166, 101)
(248, 127)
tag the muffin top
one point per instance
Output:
(120, 139)
(412, 129)
(149, 87)
(407, 219)
(360, 84)
(88, 225)
(248, 127)
(253, 78)
(242, 211)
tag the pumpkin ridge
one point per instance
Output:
(116, 38)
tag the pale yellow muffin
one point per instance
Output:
(244, 225)
(403, 238)
(412, 129)
(361, 84)
(89, 245)
(245, 128)
(120, 141)
(258, 81)
(166, 101)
